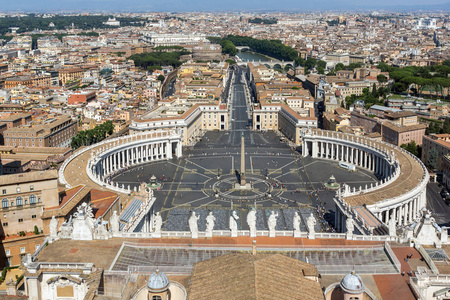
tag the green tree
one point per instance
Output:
(299, 61)
(321, 63)
(310, 63)
(339, 67)
(446, 126)
(381, 78)
(353, 66)
(384, 67)
(320, 70)
(411, 147)
(374, 91)
(161, 78)
(432, 159)
(228, 48)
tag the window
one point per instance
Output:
(32, 199)
(19, 201)
(156, 298)
(18, 189)
(33, 216)
(20, 220)
(31, 187)
(8, 252)
(5, 224)
(12, 203)
(4, 192)
(22, 249)
(39, 200)
(5, 203)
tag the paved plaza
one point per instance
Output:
(279, 177)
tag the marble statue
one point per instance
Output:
(311, 222)
(65, 231)
(251, 222)
(296, 224)
(114, 223)
(157, 224)
(101, 233)
(193, 227)
(392, 227)
(83, 225)
(53, 228)
(210, 219)
(349, 225)
(233, 224)
(272, 223)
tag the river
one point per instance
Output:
(250, 56)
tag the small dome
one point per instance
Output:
(158, 282)
(352, 283)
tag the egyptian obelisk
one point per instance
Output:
(242, 175)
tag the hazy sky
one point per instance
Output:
(213, 5)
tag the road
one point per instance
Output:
(239, 111)
(440, 211)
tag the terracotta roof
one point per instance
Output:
(28, 177)
(396, 128)
(247, 276)
(70, 200)
(101, 201)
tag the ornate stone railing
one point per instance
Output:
(381, 149)
(202, 234)
(108, 147)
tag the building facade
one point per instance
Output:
(55, 132)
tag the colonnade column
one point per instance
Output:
(169, 150)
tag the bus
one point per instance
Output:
(347, 166)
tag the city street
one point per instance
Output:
(435, 203)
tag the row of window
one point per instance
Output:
(22, 250)
(18, 189)
(19, 201)
(5, 224)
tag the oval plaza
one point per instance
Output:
(398, 194)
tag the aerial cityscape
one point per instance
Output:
(198, 150)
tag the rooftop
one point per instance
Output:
(247, 276)
(28, 177)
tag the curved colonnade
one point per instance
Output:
(401, 193)
(116, 155)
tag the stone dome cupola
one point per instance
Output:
(158, 282)
(352, 284)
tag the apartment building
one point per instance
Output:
(70, 74)
(440, 142)
(394, 127)
(399, 135)
(81, 98)
(24, 197)
(42, 81)
(54, 132)
(192, 121)
(282, 118)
